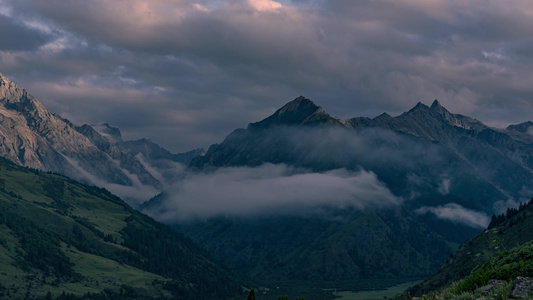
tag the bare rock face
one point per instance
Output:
(32, 136)
(522, 287)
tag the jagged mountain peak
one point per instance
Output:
(6, 84)
(438, 114)
(300, 111)
(10, 91)
(3, 78)
(297, 104)
(15, 98)
(34, 137)
(436, 105)
(297, 111)
(383, 116)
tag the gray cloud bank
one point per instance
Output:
(198, 69)
(270, 189)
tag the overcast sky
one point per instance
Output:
(186, 73)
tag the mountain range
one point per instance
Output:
(446, 144)
(32, 136)
(448, 172)
(302, 200)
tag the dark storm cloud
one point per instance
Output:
(15, 36)
(206, 67)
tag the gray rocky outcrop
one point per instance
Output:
(522, 287)
(493, 284)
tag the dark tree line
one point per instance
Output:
(511, 212)
(39, 247)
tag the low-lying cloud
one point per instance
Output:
(134, 194)
(457, 214)
(268, 189)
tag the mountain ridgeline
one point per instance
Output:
(32, 136)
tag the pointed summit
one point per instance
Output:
(436, 105)
(299, 107)
(9, 90)
(440, 110)
(300, 111)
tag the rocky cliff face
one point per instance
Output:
(32, 136)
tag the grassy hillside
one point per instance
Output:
(498, 278)
(59, 236)
(506, 233)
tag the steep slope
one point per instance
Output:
(32, 136)
(57, 235)
(502, 235)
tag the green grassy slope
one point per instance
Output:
(515, 231)
(57, 235)
(495, 279)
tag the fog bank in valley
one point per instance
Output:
(270, 189)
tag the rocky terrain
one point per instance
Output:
(32, 136)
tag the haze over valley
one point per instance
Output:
(240, 148)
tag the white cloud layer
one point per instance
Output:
(456, 213)
(270, 189)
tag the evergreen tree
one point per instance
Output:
(251, 295)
